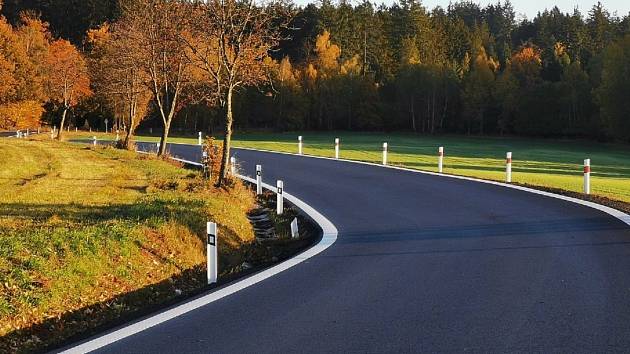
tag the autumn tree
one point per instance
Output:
(67, 77)
(119, 76)
(478, 87)
(154, 32)
(230, 40)
(21, 76)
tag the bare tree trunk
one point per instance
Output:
(225, 160)
(63, 122)
(131, 128)
(413, 117)
(167, 128)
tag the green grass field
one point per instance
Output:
(82, 227)
(537, 162)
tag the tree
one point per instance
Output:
(478, 87)
(154, 31)
(613, 92)
(119, 76)
(21, 93)
(230, 41)
(67, 77)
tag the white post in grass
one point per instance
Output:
(94, 140)
(508, 167)
(117, 135)
(587, 176)
(440, 159)
(76, 129)
(295, 232)
(28, 131)
(280, 198)
(337, 148)
(211, 250)
(384, 153)
(199, 139)
(259, 180)
(300, 145)
(233, 165)
(158, 147)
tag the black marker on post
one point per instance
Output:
(211, 249)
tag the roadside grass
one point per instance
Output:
(81, 226)
(536, 162)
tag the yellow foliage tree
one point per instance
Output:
(327, 53)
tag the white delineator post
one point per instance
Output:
(295, 232)
(440, 159)
(587, 176)
(199, 139)
(280, 197)
(94, 140)
(233, 165)
(384, 153)
(337, 148)
(158, 147)
(508, 167)
(211, 250)
(259, 180)
(117, 135)
(300, 145)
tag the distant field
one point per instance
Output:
(546, 163)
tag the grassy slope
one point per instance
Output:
(546, 163)
(80, 226)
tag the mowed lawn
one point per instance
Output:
(80, 227)
(538, 162)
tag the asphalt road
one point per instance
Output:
(422, 264)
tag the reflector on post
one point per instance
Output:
(280, 198)
(211, 250)
(259, 180)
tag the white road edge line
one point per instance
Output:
(608, 210)
(329, 236)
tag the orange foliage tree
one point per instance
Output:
(21, 93)
(67, 79)
(230, 40)
(526, 65)
(155, 30)
(118, 75)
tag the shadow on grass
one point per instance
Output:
(174, 209)
(533, 168)
(99, 317)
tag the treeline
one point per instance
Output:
(462, 69)
(37, 73)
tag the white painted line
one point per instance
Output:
(608, 210)
(329, 236)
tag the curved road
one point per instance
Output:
(422, 264)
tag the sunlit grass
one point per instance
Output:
(80, 225)
(538, 162)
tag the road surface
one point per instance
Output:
(422, 264)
